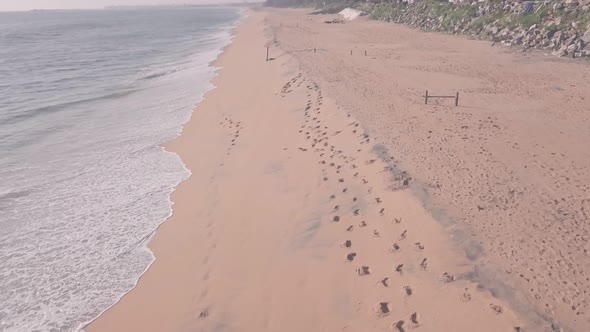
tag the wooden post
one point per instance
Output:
(266, 53)
(457, 99)
(426, 99)
(365, 52)
(350, 52)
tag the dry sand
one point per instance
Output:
(298, 215)
(507, 172)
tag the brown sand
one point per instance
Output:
(296, 218)
(507, 171)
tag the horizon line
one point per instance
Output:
(243, 3)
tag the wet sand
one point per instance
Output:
(299, 216)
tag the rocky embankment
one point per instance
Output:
(561, 28)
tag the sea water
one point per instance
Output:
(86, 100)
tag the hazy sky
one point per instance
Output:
(59, 4)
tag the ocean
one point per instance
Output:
(87, 98)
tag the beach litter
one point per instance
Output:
(350, 14)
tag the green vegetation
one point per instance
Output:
(480, 22)
(381, 12)
(526, 21)
(441, 15)
(498, 20)
(466, 17)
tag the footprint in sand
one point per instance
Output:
(363, 224)
(204, 314)
(399, 326)
(466, 296)
(424, 264)
(496, 308)
(356, 212)
(347, 244)
(349, 229)
(382, 212)
(408, 290)
(205, 260)
(363, 271)
(350, 257)
(383, 309)
(400, 268)
(384, 282)
(376, 233)
(205, 276)
(414, 319)
(336, 218)
(403, 235)
(447, 278)
(395, 247)
(419, 245)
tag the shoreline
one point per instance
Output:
(291, 251)
(244, 13)
(164, 147)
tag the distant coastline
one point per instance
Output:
(230, 4)
(213, 5)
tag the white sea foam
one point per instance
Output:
(81, 197)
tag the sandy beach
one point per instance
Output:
(325, 196)
(506, 172)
